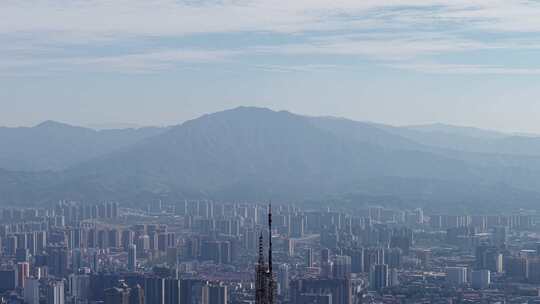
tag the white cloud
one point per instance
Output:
(439, 68)
(42, 32)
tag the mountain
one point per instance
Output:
(469, 139)
(54, 146)
(258, 154)
(267, 153)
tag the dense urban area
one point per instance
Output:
(204, 252)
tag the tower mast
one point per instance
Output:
(270, 237)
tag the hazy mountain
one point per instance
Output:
(468, 139)
(54, 146)
(440, 128)
(253, 153)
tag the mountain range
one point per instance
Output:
(251, 153)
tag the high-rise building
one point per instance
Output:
(379, 277)
(332, 291)
(283, 280)
(22, 255)
(8, 279)
(456, 275)
(57, 261)
(214, 294)
(117, 295)
(76, 260)
(289, 245)
(297, 225)
(23, 273)
(31, 291)
(154, 290)
(79, 286)
(393, 257)
(55, 292)
(132, 258)
(136, 295)
(172, 291)
(309, 257)
(373, 256)
(516, 267)
(342, 267)
(357, 260)
(480, 279)
(393, 279)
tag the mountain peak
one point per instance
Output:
(53, 124)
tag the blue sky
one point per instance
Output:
(160, 62)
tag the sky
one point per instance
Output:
(161, 62)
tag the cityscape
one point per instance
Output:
(269, 152)
(209, 252)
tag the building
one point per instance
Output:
(480, 279)
(214, 294)
(378, 277)
(79, 286)
(23, 273)
(55, 292)
(132, 257)
(309, 257)
(341, 267)
(283, 280)
(136, 295)
(334, 291)
(8, 280)
(456, 275)
(31, 291)
(116, 295)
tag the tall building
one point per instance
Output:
(136, 296)
(57, 261)
(342, 267)
(265, 282)
(357, 260)
(309, 257)
(328, 291)
(379, 277)
(480, 279)
(283, 280)
(8, 280)
(214, 294)
(116, 295)
(55, 292)
(456, 275)
(31, 291)
(488, 257)
(23, 272)
(132, 257)
(172, 291)
(79, 286)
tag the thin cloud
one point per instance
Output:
(48, 32)
(441, 68)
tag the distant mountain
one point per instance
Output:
(469, 139)
(264, 154)
(456, 130)
(54, 146)
(259, 154)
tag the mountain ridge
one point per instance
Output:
(249, 153)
